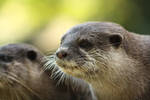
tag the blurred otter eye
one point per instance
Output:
(85, 44)
(31, 55)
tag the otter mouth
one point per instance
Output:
(59, 70)
(69, 67)
(71, 70)
(61, 67)
(64, 65)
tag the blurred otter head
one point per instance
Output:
(22, 77)
(19, 70)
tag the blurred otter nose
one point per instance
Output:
(5, 58)
(62, 53)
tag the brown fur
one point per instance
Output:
(22, 76)
(116, 63)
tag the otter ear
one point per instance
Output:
(32, 55)
(115, 39)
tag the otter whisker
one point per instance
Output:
(56, 71)
(52, 67)
(52, 57)
(14, 93)
(46, 66)
(60, 79)
(12, 77)
(50, 52)
(63, 77)
(66, 79)
(50, 60)
(56, 75)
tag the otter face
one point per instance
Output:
(85, 49)
(16, 73)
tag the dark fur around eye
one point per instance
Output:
(85, 44)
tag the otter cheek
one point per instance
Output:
(59, 62)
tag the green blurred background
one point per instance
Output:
(42, 22)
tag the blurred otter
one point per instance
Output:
(22, 78)
(114, 61)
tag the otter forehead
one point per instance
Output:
(96, 27)
(16, 48)
(19, 51)
(91, 30)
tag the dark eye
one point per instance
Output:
(32, 55)
(115, 40)
(85, 44)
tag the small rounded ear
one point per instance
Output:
(32, 55)
(115, 39)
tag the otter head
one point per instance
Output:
(19, 70)
(95, 51)
(102, 54)
(87, 49)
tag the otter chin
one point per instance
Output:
(110, 58)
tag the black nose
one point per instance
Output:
(5, 58)
(61, 54)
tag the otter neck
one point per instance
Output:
(137, 47)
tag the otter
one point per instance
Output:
(114, 61)
(22, 76)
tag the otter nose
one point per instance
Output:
(5, 58)
(61, 54)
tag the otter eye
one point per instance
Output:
(31, 55)
(85, 44)
(115, 40)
